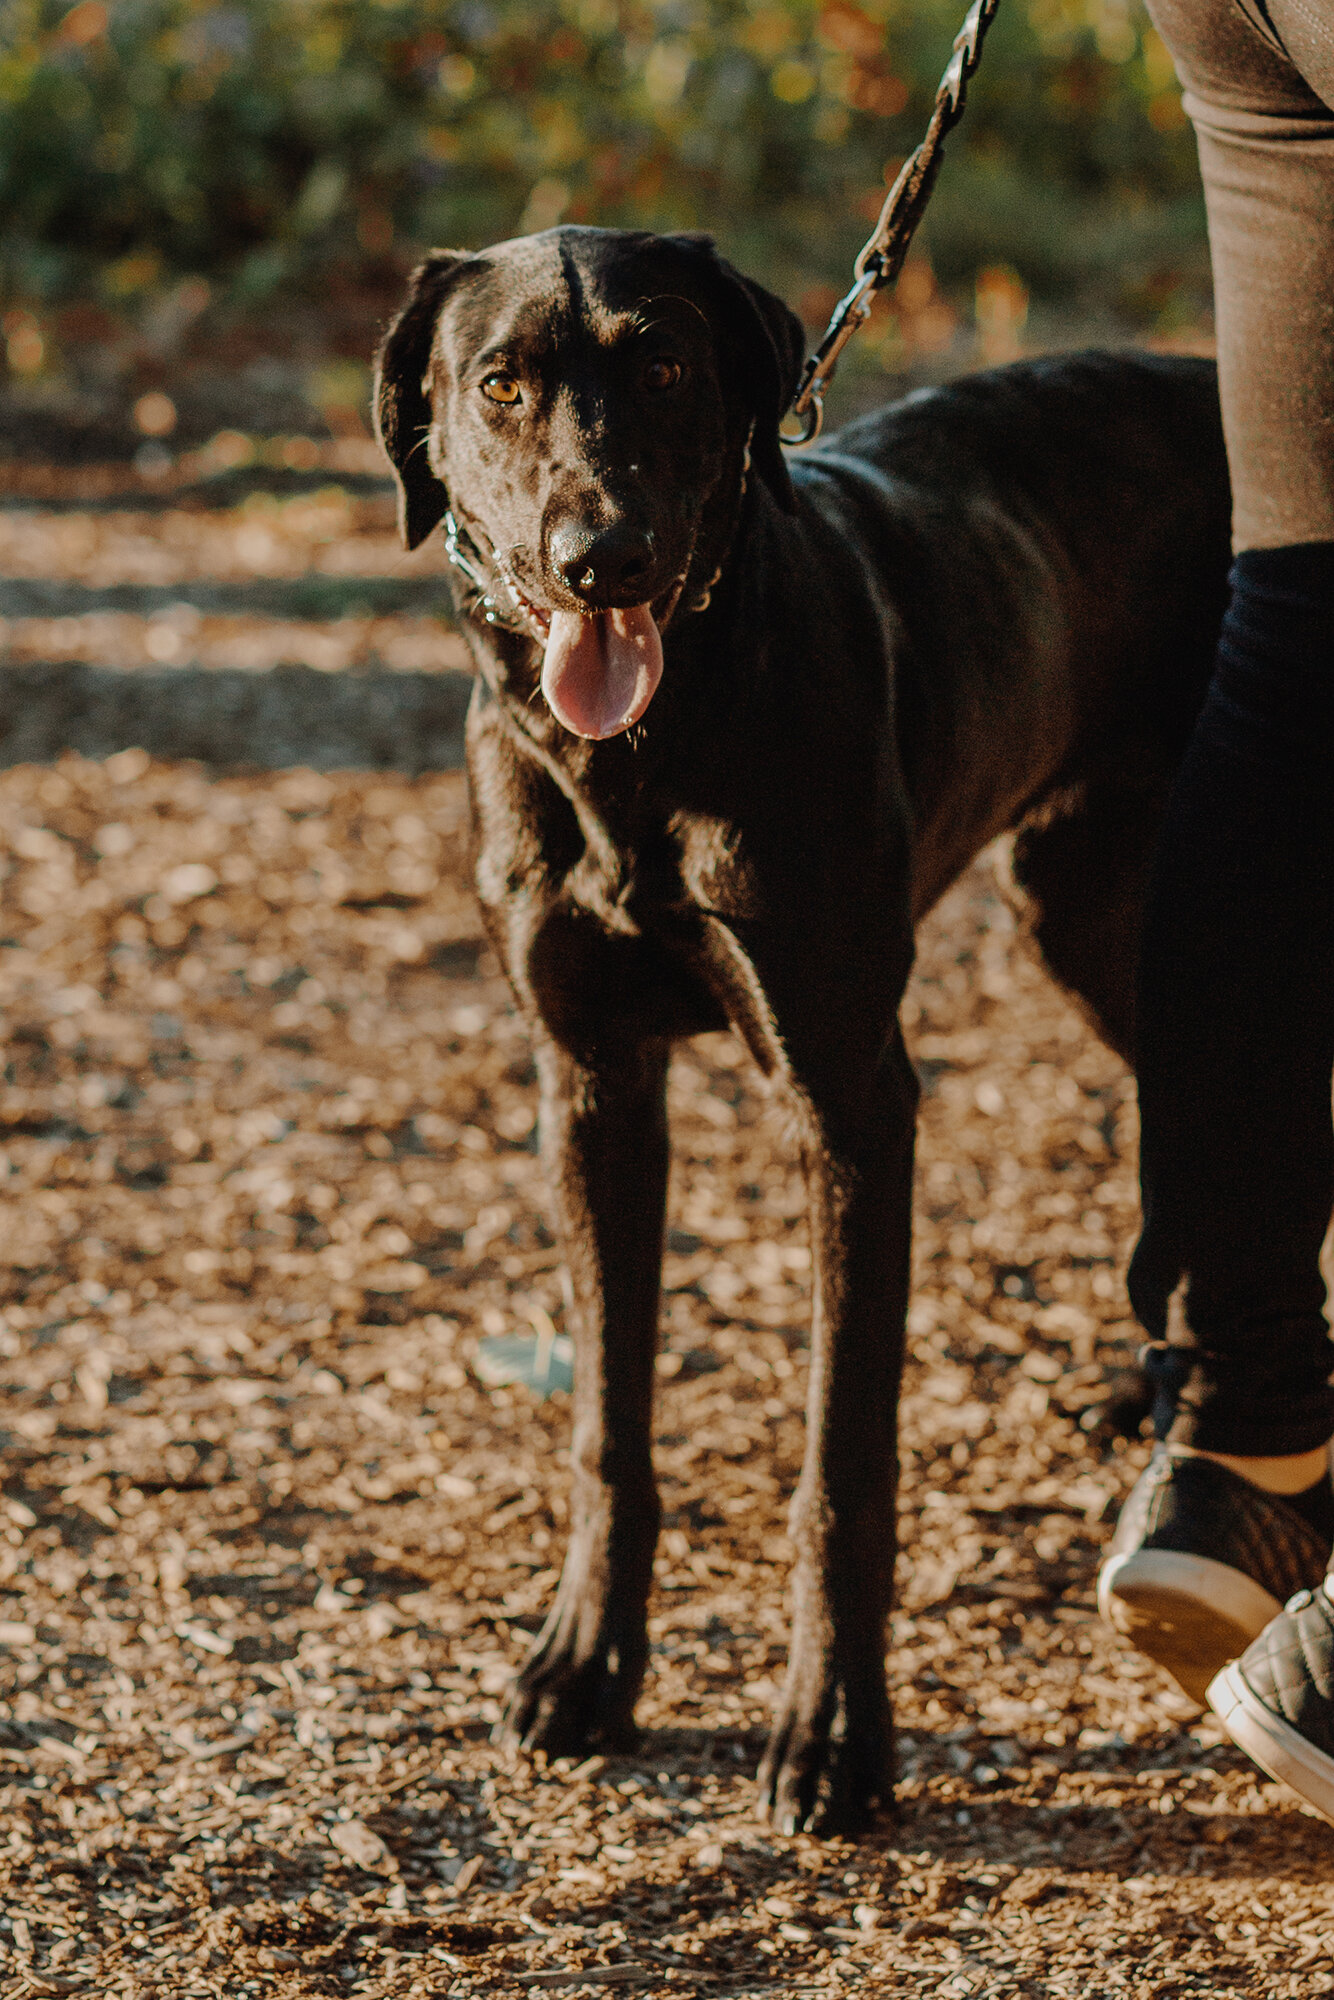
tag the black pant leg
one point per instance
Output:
(1237, 1026)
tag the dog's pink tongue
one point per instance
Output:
(599, 674)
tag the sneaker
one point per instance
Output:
(1200, 1563)
(1277, 1701)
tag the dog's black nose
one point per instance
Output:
(607, 565)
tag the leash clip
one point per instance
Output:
(807, 411)
(851, 312)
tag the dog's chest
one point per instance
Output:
(663, 869)
(645, 930)
(715, 872)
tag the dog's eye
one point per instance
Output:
(501, 388)
(662, 374)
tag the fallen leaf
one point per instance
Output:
(540, 1361)
(359, 1845)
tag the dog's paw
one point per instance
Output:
(568, 1706)
(826, 1770)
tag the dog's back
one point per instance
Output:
(1053, 537)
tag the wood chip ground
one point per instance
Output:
(270, 1549)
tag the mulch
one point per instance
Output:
(271, 1547)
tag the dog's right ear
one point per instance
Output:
(402, 408)
(767, 344)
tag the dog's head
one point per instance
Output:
(580, 400)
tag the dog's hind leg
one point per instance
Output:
(604, 1136)
(831, 1752)
(1081, 876)
(1080, 879)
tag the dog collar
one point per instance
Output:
(522, 617)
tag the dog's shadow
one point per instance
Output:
(1066, 1838)
(1071, 1840)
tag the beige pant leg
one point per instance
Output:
(1267, 158)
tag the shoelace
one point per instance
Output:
(1168, 1368)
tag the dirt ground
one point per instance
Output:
(271, 1548)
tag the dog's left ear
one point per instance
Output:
(767, 351)
(402, 408)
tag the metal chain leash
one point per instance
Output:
(881, 256)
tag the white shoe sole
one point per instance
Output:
(1271, 1742)
(1189, 1613)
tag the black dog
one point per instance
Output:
(785, 704)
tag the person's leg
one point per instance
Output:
(1277, 1701)
(1237, 1000)
(1237, 1027)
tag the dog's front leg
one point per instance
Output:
(831, 1750)
(604, 1131)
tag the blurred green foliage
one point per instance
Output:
(271, 144)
